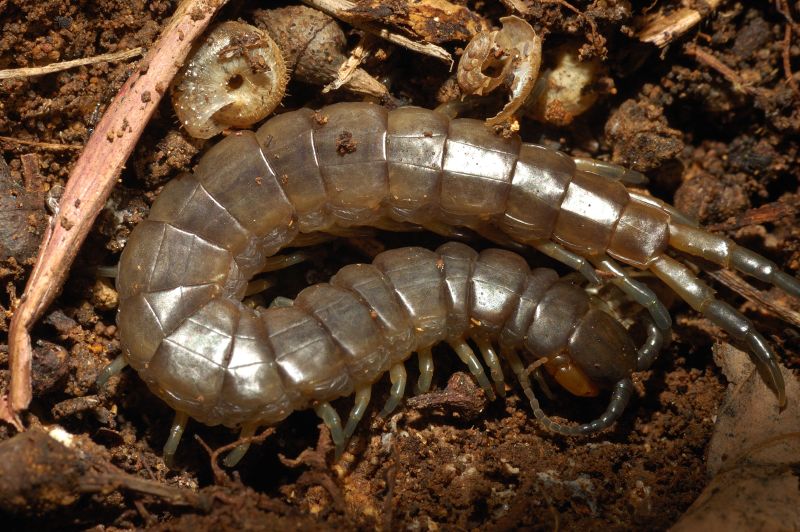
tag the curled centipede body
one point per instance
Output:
(186, 268)
(254, 367)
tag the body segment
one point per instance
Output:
(232, 364)
(186, 268)
(359, 164)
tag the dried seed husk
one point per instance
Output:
(235, 77)
(510, 57)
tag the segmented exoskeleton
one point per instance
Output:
(254, 367)
(186, 267)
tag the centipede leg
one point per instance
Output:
(353, 231)
(387, 224)
(107, 271)
(610, 171)
(238, 453)
(315, 238)
(467, 356)
(676, 215)
(491, 359)
(279, 262)
(637, 291)
(453, 108)
(727, 253)
(257, 286)
(116, 366)
(447, 231)
(175, 433)
(701, 298)
(425, 359)
(564, 256)
(281, 302)
(764, 269)
(361, 402)
(310, 239)
(398, 376)
(331, 419)
(490, 232)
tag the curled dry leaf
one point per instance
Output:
(235, 77)
(22, 218)
(313, 47)
(510, 57)
(752, 456)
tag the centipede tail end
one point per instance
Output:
(726, 253)
(741, 329)
(702, 298)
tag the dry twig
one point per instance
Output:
(219, 475)
(759, 298)
(785, 10)
(350, 66)
(663, 29)
(43, 145)
(768, 213)
(727, 72)
(90, 184)
(339, 9)
(28, 72)
(43, 470)
(787, 60)
(578, 12)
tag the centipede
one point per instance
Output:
(186, 268)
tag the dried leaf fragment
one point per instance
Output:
(432, 21)
(752, 456)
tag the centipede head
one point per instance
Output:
(599, 354)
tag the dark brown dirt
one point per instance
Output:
(723, 149)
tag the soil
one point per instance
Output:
(712, 119)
